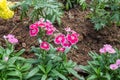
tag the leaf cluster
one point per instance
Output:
(12, 66)
(68, 4)
(36, 9)
(99, 67)
(105, 13)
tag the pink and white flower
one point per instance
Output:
(59, 39)
(50, 31)
(40, 24)
(45, 46)
(33, 26)
(34, 32)
(113, 67)
(66, 44)
(60, 49)
(72, 38)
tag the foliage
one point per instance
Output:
(71, 3)
(12, 66)
(48, 9)
(104, 66)
(105, 12)
(51, 65)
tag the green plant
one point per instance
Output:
(71, 3)
(105, 13)
(48, 9)
(51, 62)
(12, 66)
(104, 66)
(51, 65)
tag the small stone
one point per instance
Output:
(23, 44)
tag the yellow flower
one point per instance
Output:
(5, 12)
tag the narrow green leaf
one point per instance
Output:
(32, 72)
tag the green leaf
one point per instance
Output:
(49, 67)
(2, 66)
(26, 67)
(15, 74)
(42, 68)
(12, 60)
(20, 52)
(67, 50)
(73, 72)
(32, 72)
(44, 77)
(92, 77)
(59, 74)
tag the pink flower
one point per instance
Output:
(118, 62)
(34, 32)
(68, 29)
(40, 24)
(60, 49)
(33, 26)
(66, 44)
(113, 66)
(45, 46)
(50, 31)
(107, 48)
(59, 38)
(72, 38)
(11, 38)
(102, 50)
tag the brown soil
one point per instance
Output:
(89, 40)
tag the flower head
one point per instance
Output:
(118, 62)
(34, 32)
(59, 39)
(11, 38)
(107, 48)
(102, 50)
(113, 66)
(45, 46)
(66, 44)
(60, 49)
(72, 38)
(50, 30)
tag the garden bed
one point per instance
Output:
(89, 40)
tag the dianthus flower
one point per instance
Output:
(59, 39)
(72, 38)
(11, 38)
(118, 62)
(107, 48)
(113, 67)
(66, 44)
(33, 30)
(45, 46)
